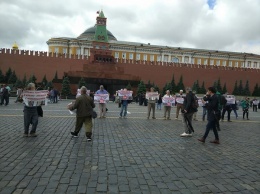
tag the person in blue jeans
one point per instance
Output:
(124, 105)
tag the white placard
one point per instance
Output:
(152, 95)
(231, 99)
(101, 98)
(125, 95)
(168, 101)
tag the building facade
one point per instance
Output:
(126, 51)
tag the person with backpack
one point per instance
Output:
(221, 100)
(245, 106)
(5, 96)
(213, 109)
(187, 113)
(226, 108)
(195, 105)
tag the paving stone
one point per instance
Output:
(132, 155)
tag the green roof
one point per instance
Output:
(101, 14)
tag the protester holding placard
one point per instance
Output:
(102, 99)
(168, 100)
(125, 97)
(32, 99)
(159, 103)
(151, 97)
(255, 103)
(179, 99)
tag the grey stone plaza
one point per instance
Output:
(131, 155)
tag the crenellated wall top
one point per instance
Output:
(40, 54)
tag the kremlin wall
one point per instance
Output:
(97, 56)
(42, 63)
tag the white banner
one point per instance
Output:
(101, 98)
(34, 97)
(125, 95)
(231, 99)
(152, 95)
(168, 101)
(200, 101)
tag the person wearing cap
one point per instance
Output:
(179, 103)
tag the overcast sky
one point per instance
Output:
(228, 25)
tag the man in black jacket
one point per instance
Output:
(187, 113)
(212, 107)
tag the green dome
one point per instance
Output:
(89, 34)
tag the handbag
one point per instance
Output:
(94, 114)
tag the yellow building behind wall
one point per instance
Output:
(122, 50)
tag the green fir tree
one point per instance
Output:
(56, 75)
(173, 85)
(141, 88)
(202, 89)
(224, 90)
(218, 87)
(82, 82)
(240, 88)
(167, 87)
(12, 78)
(235, 91)
(24, 80)
(49, 85)
(32, 79)
(8, 74)
(246, 89)
(44, 81)
(18, 83)
(129, 87)
(66, 91)
(256, 91)
(2, 77)
(180, 85)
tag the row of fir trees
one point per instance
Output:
(11, 78)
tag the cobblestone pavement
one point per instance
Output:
(132, 155)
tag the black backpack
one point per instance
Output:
(195, 103)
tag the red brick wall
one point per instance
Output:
(40, 64)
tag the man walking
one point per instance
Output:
(212, 107)
(84, 105)
(188, 111)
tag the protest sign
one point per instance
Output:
(168, 101)
(152, 95)
(35, 97)
(101, 98)
(125, 95)
(231, 99)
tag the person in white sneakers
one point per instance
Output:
(188, 111)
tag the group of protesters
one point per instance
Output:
(213, 104)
